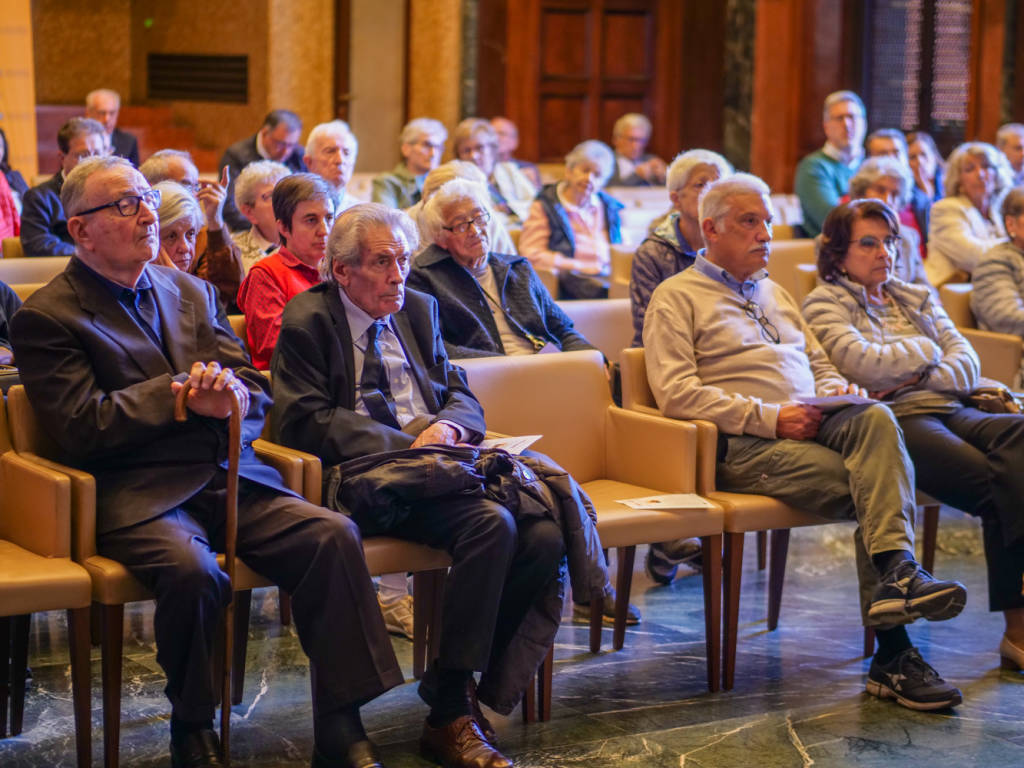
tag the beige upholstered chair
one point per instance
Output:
(37, 270)
(605, 323)
(806, 281)
(24, 290)
(238, 326)
(622, 269)
(37, 574)
(999, 353)
(11, 248)
(783, 261)
(614, 454)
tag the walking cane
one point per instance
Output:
(230, 534)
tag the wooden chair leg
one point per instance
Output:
(19, 663)
(762, 549)
(112, 648)
(530, 701)
(777, 574)
(732, 576)
(711, 559)
(596, 623)
(95, 625)
(284, 605)
(243, 610)
(5, 672)
(422, 592)
(544, 679)
(869, 642)
(79, 620)
(929, 536)
(623, 584)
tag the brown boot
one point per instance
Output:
(460, 744)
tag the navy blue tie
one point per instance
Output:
(373, 384)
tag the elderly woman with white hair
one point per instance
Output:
(966, 223)
(573, 224)
(673, 243)
(633, 166)
(254, 190)
(888, 180)
(421, 144)
(489, 303)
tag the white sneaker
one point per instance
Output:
(397, 615)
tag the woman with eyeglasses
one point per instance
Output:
(895, 340)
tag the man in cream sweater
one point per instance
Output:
(725, 343)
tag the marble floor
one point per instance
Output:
(798, 701)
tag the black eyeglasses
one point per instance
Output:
(479, 221)
(755, 313)
(129, 204)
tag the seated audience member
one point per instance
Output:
(673, 244)
(888, 180)
(475, 141)
(277, 140)
(1010, 141)
(997, 300)
(103, 105)
(15, 181)
(572, 224)
(44, 228)
(254, 189)
(218, 259)
(897, 342)
(421, 144)
(634, 167)
(927, 165)
(104, 392)
(725, 343)
(360, 376)
(489, 303)
(823, 177)
(304, 210)
(9, 304)
(966, 222)
(331, 150)
(508, 142)
(888, 142)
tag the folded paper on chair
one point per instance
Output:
(513, 445)
(668, 501)
(835, 402)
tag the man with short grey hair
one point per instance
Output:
(103, 105)
(725, 343)
(823, 176)
(634, 167)
(331, 150)
(421, 144)
(1010, 141)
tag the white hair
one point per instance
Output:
(1006, 131)
(632, 120)
(978, 149)
(346, 241)
(686, 163)
(453, 169)
(837, 97)
(875, 168)
(157, 167)
(255, 175)
(177, 203)
(73, 189)
(91, 96)
(593, 151)
(714, 202)
(433, 220)
(333, 129)
(422, 126)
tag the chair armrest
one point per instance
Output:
(35, 508)
(309, 478)
(652, 451)
(707, 455)
(83, 505)
(999, 353)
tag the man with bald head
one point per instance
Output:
(103, 105)
(103, 350)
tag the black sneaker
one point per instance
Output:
(912, 682)
(659, 568)
(909, 592)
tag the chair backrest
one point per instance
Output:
(41, 269)
(636, 391)
(238, 326)
(605, 323)
(27, 435)
(5, 434)
(785, 255)
(622, 263)
(549, 279)
(806, 281)
(514, 233)
(11, 248)
(999, 353)
(956, 298)
(24, 290)
(564, 397)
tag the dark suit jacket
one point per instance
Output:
(102, 390)
(315, 388)
(125, 145)
(236, 157)
(467, 324)
(9, 304)
(44, 228)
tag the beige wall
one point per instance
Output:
(435, 60)
(17, 86)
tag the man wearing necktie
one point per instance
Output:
(102, 350)
(360, 369)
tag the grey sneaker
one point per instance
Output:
(912, 682)
(581, 611)
(908, 592)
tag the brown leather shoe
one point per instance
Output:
(460, 744)
(478, 714)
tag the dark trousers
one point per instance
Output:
(499, 567)
(974, 461)
(312, 553)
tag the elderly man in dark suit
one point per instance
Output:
(103, 105)
(360, 369)
(277, 140)
(102, 351)
(44, 228)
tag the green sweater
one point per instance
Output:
(820, 182)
